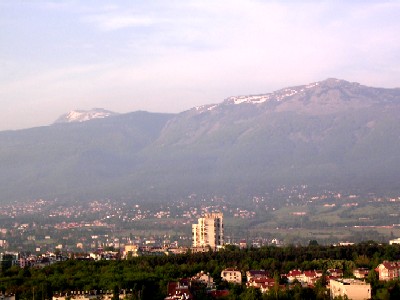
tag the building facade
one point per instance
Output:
(389, 270)
(209, 231)
(394, 241)
(351, 288)
(232, 275)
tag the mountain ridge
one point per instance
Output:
(334, 133)
(280, 97)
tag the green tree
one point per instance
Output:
(382, 294)
(251, 294)
(115, 293)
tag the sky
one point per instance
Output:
(170, 56)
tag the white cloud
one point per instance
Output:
(172, 55)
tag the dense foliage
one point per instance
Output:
(148, 275)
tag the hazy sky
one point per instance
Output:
(168, 56)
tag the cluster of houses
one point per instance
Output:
(339, 287)
(355, 288)
(21, 259)
(256, 278)
(92, 295)
(187, 288)
(8, 259)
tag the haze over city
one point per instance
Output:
(57, 56)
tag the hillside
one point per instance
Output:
(329, 133)
(74, 160)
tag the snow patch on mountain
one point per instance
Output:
(256, 99)
(204, 108)
(85, 115)
(279, 96)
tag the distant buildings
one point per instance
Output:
(209, 231)
(7, 260)
(188, 288)
(350, 289)
(91, 295)
(130, 250)
(394, 241)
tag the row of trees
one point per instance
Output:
(148, 276)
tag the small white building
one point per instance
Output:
(361, 273)
(204, 278)
(232, 275)
(394, 241)
(351, 288)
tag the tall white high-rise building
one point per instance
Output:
(209, 231)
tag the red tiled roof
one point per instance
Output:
(310, 273)
(391, 265)
(263, 280)
(294, 273)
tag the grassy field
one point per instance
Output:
(326, 224)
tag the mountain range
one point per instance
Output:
(331, 133)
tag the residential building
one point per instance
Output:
(209, 231)
(179, 290)
(256, 274)
(264, 283)
(351, 288)
(130, 250)
(394, 241)
(243, 244)
(188, 288)
(259, 279)
(310, 277)
(335, 272)
(232, 275)
(360, 273)
(306, 278)
(204, 278)
(388, 270)
(294, 275)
